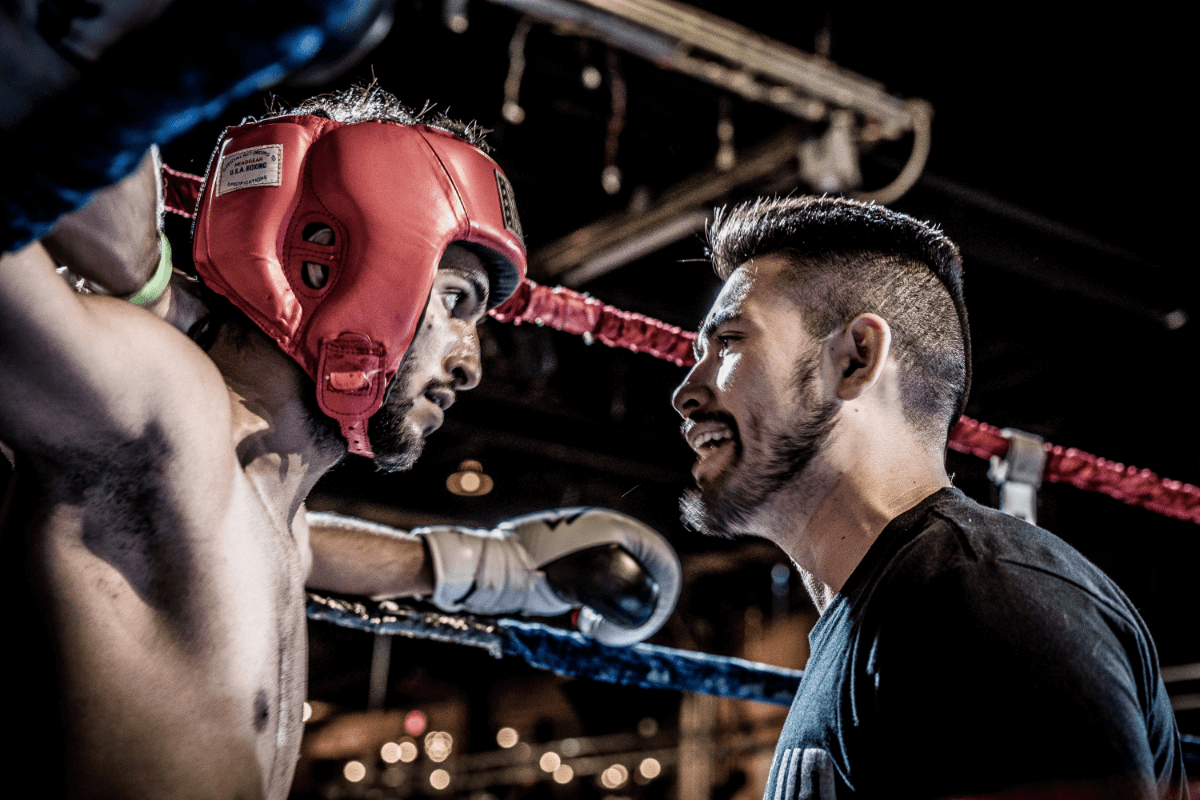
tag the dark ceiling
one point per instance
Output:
(1056, 163)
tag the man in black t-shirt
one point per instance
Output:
(960, 652)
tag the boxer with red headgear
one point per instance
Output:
(348, 252)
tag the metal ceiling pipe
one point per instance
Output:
(710, 48)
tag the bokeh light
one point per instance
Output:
(438, 745)
(439, 779)
(549, 761)
(614, 776)
(354, 771)
(414, 723)
(564, 774)
(307, 714)
(390, 752)
(507, 737)
(650, 768)
(408, 752)
(570, 748)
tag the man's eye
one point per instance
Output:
(724, 341)
(454, 298)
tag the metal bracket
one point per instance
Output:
(1019, 474)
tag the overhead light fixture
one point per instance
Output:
(470, 480)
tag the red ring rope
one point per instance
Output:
(573, 312)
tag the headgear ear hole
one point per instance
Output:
(315, 275)
(318, 233)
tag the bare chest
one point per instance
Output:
(174, 613)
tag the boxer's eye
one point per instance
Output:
(454, 298)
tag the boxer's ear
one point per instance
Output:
(859, 352)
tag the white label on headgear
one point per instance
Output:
(245, 169)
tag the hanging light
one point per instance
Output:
(469, 480)
(511, 110)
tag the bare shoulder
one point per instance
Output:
(84, 373)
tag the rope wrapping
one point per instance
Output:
(582, 315)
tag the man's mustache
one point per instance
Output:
(723, 417)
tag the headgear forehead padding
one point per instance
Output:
(394, 196)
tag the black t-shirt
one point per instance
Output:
(970, 653)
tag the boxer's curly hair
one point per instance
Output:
(368, 102)
(848, 258)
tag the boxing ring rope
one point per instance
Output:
(575, 312)
(567, 652)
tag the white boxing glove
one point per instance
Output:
(623, 574)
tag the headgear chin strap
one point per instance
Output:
(394, 196)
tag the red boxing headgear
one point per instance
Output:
(395, 196)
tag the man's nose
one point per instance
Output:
(463, 362)
(693, 392)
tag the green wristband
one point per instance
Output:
(158, 283)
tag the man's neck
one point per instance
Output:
(279, 447)
(828, 535)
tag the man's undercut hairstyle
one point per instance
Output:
(370, 103)
(847, 258)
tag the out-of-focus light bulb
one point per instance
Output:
(414, 723)
(438, 745)
(614, 776)
(507, 737)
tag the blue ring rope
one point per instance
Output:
(569, 653)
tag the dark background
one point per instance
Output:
(1059, 163)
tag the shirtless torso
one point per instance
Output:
(168, 574)
(157, 523)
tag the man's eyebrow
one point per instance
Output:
(711, 323)
(478, 279)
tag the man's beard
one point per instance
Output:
(393, 441)
(726, 507)
(395, 444)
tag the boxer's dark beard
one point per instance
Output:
(395, 445)
(727, 507)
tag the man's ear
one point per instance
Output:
(859, 353)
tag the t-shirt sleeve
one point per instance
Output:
(994, 676)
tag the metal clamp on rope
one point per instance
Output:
(1019, 474)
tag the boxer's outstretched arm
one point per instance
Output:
(624, 575)
(353, 556)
